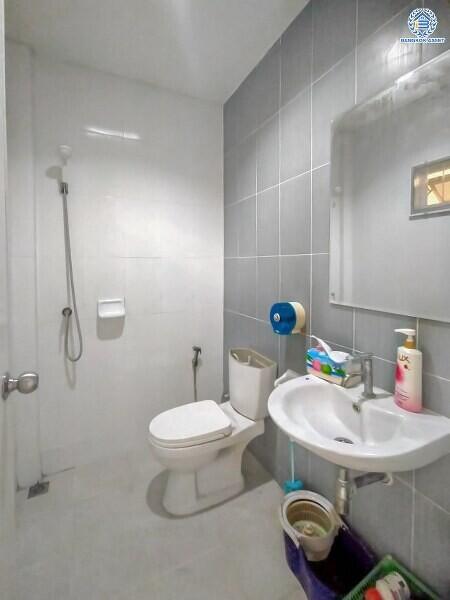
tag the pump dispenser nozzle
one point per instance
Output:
(410, 339)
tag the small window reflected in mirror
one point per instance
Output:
(431, 188)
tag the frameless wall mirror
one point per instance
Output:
(390, 192)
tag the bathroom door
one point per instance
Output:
(7, 476)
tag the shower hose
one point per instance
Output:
(67, 311)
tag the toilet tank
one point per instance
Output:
(251, 378)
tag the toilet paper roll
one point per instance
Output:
(287, 317)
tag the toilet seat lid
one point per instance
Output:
(190, 424)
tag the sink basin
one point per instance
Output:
(382, 437)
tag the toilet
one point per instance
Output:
(201, 443)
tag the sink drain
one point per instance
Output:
(343, 440)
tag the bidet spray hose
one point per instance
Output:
(197, 350)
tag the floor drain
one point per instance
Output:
(343, 440)
(39, 488)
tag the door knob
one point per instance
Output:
(25, 384)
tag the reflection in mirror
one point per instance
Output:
(431, 188)
(390, 188)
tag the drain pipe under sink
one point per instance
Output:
(347, 486)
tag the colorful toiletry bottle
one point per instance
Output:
(408, 374)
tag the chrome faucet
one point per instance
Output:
(367, 379)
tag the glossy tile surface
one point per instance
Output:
(332, 81)
(106, 536)
(146, 222)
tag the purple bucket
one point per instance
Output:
(349, 561)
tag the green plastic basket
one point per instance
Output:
(386, 565)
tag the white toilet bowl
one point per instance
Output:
(201, 444)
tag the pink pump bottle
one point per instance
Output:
(408, 373)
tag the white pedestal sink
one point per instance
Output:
(380, 438)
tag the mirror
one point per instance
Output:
(390, 198)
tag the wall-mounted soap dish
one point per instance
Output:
(111, 308)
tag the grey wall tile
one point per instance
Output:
(246, 283)
(330, 322)
(268, 284)
(266, 340)
(246, 120)
(295, 120)
(282, 467)
(322, 476)
(272, 449)
(295, 280)
(434, 481)
(227, 336)
(302, 458)
(246, 168)
(321, 209)
(295, 215)
(267, 222)
(383, 516)
(267, 146)
(334, 31)
(231, 284)
(382, 58)
(434, 342)
(374, 332)
(373, 14)
(384, 374)
(432, 545)
(245, 222)
(240, 285)
(230, 176)
(332, 95)
(436, 394)
(240, 332)
(292, 353)
(441, 9)
(231, 230)
(266, 85)
(230, 121)
(296, 55)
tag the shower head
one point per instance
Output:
(65, 152)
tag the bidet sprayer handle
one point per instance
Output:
(197, 350)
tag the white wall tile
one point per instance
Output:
(146, 223)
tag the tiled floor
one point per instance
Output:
(101, 534)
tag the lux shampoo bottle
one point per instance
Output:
(408, 374)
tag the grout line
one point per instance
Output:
(239, 314)
(427, 499)
(413, 520)
(314, 81)
(436, 376)
(310, 196)
(353, 329)
(36, 262)
(279, 201)
(256, 227)
(326, 164)
(280, 181)
(275, 255)
(356, 54)
(241, 200)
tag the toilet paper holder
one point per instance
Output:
(287, 318)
